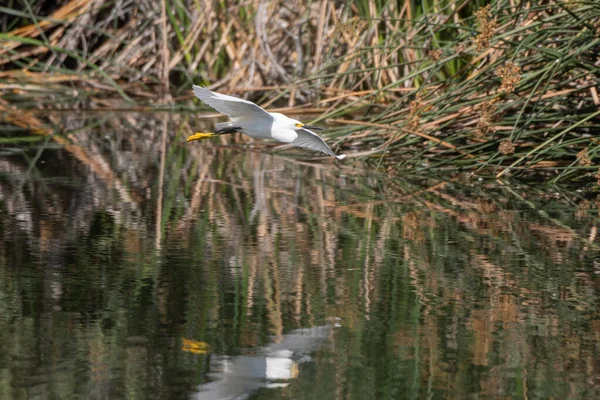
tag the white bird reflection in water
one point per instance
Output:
(274, 366)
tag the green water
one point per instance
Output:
(134, 265)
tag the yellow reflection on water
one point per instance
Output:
(194, 346)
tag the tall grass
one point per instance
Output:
(496, 89)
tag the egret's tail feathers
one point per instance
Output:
(222, 125)
(341, 156)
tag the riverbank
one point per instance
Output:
(456, 86)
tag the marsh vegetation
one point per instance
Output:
(453, 254)
(497, 89)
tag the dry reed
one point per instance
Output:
(486, 77)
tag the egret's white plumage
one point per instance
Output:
(254, 121)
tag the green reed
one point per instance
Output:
(494, 88)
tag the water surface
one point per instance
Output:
(134, 265)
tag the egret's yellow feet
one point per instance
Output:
(200, 136)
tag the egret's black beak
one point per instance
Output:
(315, 128)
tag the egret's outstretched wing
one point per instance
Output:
(233, 107)
(311, 140)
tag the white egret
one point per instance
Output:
(250, 119)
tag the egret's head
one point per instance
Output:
(300, 125)
(291, 123)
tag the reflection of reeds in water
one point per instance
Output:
(161, 182)
(412, 84)
(437, 279)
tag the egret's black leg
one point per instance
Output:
(227, 130)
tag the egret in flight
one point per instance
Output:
(250, 119)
